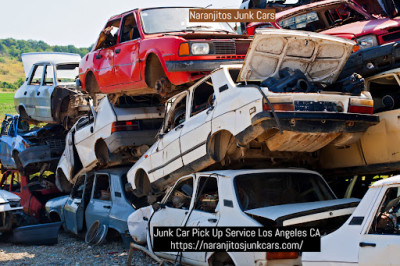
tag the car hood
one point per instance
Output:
(6, 196)
(320, 57)
(298, 213)
(28, 59)
(362, 28)
(56, 203)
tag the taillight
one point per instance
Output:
(361, 106)
(125, 126)
(279, 107)
(282, 255)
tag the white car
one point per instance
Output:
(9, 204)
(220, 121)
(371, 236)
(49, 92)
(109, 135)
(247, 198)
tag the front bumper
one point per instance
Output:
(199, 65)
(124, 139)
(371, 61)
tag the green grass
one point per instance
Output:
(6, 104)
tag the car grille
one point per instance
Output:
(224, 47)
(56, 144)
(392, 36)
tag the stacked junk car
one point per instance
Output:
(167, 122)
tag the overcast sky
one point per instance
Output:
(76, 22)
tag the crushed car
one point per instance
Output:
(97, 198)
(371, 234)
(109, 135)
(9, 206)
(49, 93)
(27, 149)
(145, 51)
(378, 149)
(268, 197)
(34, 191)
(281, 112)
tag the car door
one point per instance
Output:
(32, 89)
(176, 206)
(43, 94)
(103, 60)
(126, 58)
(205, 211)
(380, 242)
(84, 140)
(74, 208)
(197, 128)
(167, 156)
(100, 203)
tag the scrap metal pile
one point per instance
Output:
(116, 143)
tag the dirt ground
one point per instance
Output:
(70, 250)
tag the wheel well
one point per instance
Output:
(220, 258)
(91, 84)
(219, 144)
(101, 150)
(113, 235)
(54, 217)
(22, 112)
(61, 181)
(153, 71)
(142, 182)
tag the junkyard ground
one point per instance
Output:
(70, 250)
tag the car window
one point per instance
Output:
(207, 195)
(203, 97)
(385, 219)
(341, 15)
(37, 76)
(176, 115)
(102, 190)
(5, 125)
(67, 72)
(49, 76)
(181, 195)
(109, 35)
(129, 30)
(82, 122)
(308, 22)
(11, 129)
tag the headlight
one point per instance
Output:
(367, 41)
(200, 48)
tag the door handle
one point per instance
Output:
(365, 244)
(179, 127)
(212, 220)
(117, 51)
(107, 207)
(98, 56)
(91, 129)
(210, 109)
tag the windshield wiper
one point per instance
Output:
(199, 27)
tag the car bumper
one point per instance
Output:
(39, 154)
(125, 139)
(199, 65)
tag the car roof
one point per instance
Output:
(387, 181)
(233, 173)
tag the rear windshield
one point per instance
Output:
(270, 189)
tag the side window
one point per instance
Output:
(129, 29)
(181, 195)
(203, 97)
(79, 187)
(37, 76)
(307, 22)
(386, 219)
(49, 76)
(109, 35)
(207, 195)
(5, 126)
(82, 122)
(176, 116)
(102, 190)
(11, 129)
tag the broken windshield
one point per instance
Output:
(260, 190)
(177, 19)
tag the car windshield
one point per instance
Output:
(67, 72)
(177, 19)
(260, 190)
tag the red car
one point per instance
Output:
(33, 191)
(144, 51)
(341, 18)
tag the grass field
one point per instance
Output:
(6, 104)
(11, 70)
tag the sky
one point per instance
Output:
(76, 22)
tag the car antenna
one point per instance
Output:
(210, 5)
